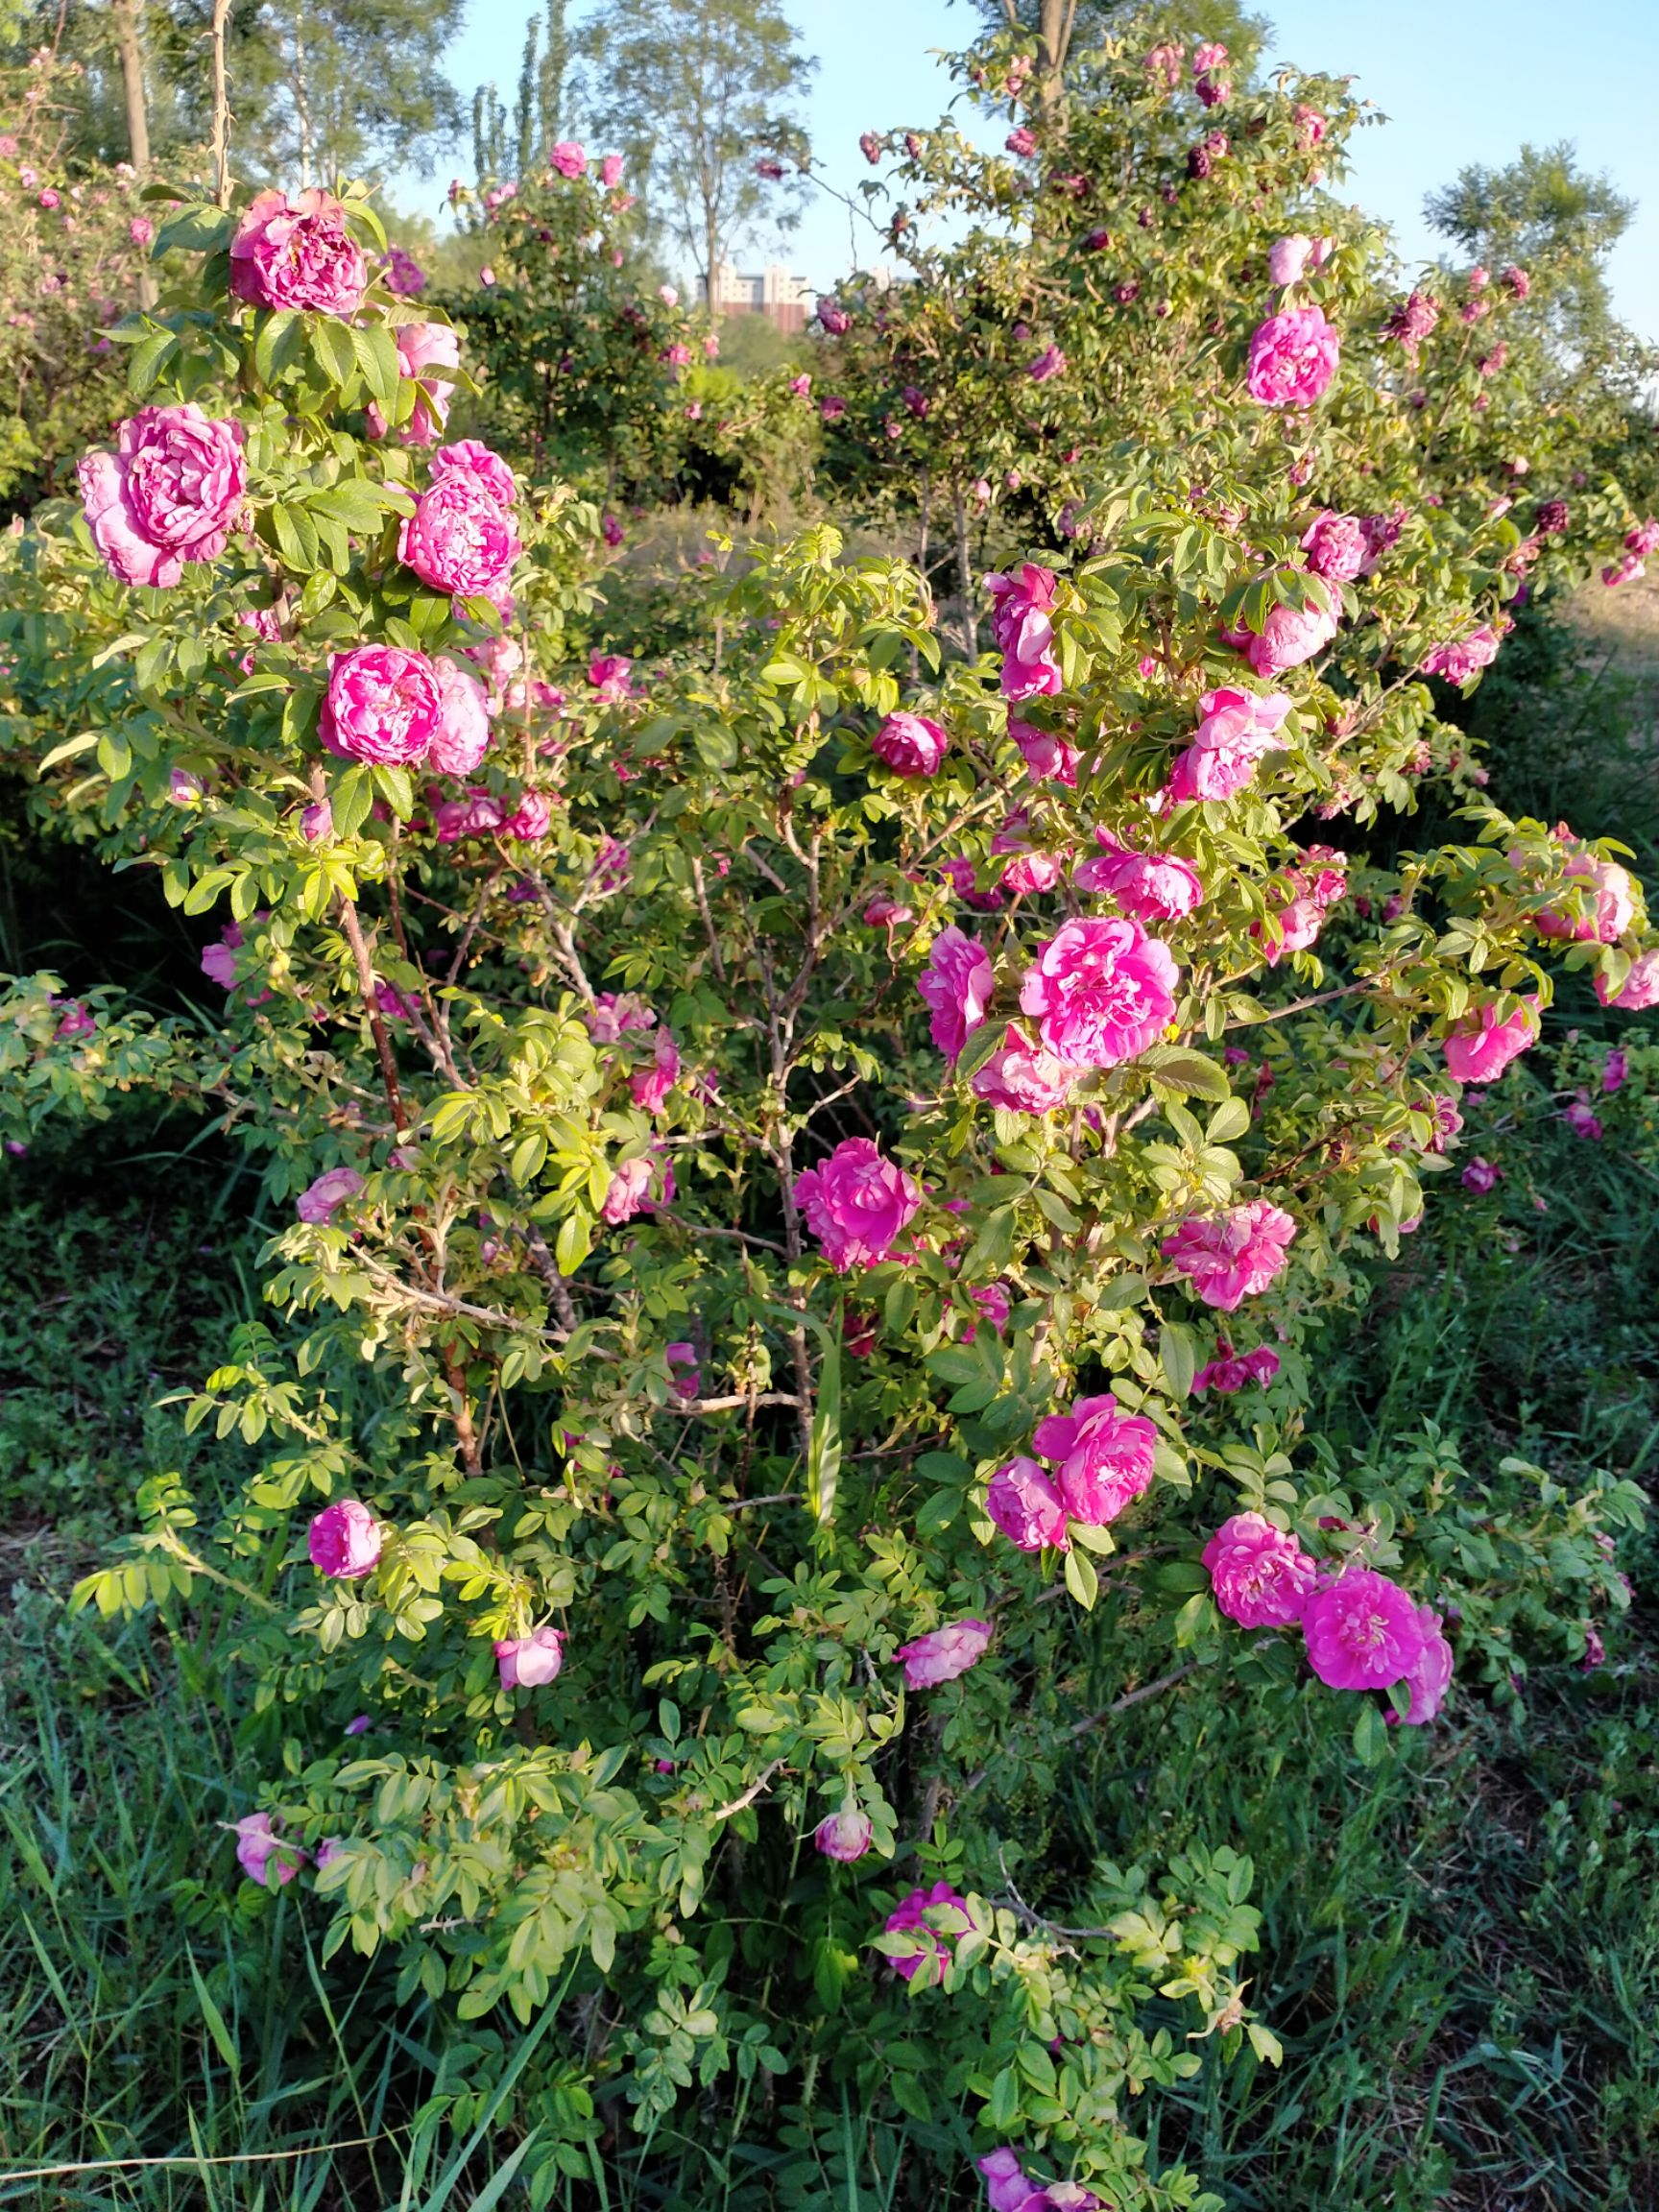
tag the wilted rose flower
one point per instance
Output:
(943, 1653)
(260, 1851)
(958, 985)
(1050, 362)
(1338, 546)
(383, 703)
(942, 1902)
(1021, 141)
(1103, 990)
(1233, 1255)
(1579, 1118)
(171, 491)
(910, 744)
(844, 1836)
(870, 146)
(1363, 1631)
(1259, 1575)
(1412, 321)
(610, 673)
(527, 1662)
(856, 1204)
(1482, 1046)
(1105, 1458)
(344, 1540)
(1022, 619)
(297, 252)
(1516, 282)
(1293, 356)
(320, 1202)
(1026, 1505)
(1150, 886)
(422, 349)
(1481, 1177)
(630, 1190)
(1022, 1078)
(1238, 727)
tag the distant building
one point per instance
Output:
(785, 299)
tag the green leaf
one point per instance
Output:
(149, 360)
(1230, 1119)
(1370, 1735)
(332, 349)
(1178, 1354)
(1081, 1579)
(573, 1242)
(1178, 1069)
(349, 799)
(824, 1457)
(376, 352)
(67, 750)
(277, 347)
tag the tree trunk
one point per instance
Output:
(1056, 20)
(301, 103)
(129, 40)
(710, 252)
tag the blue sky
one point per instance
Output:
(1459, 81)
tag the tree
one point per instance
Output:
(1553, 218)
(325, 88)
(699, 91)
(537, 113)
(1066, 27)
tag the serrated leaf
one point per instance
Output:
(1081, 1579)
(1178, 1356)
(1189, 1072)
(349, 799)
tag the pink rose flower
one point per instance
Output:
(1612, 903)
(462, 738)
(1103, 991)
(1338, 546)
(383, 703)
(317, 822)
(685, 1370)
(1579, 1118)
(912, 1914)
(1021, 141)
(1047, 755)
(1104, 1458)
(468, 458)
(1050, 362)
(995, 1302)
(1412, 321)
(856, 1204)
(1640, 988)
(1287, 258)
(1614, 1070)
(1290, 636)
(1022, 619)
(1464, 656)
(460, 538)
(1238, 727)
(1311, 125)
(297, 252)
(528, 1662)
(1429, 1677)
(1363, 1631)
(1231, 1372)
(611, 170)
(910, 744)
(422, 349)
(1482, 1046)
(630, 1191)
(1293, 356)
(943, 1653)
(1009, 2188)
(958, 985)
(141, 230)
(609, 675)
(344, 1540)
(845, 1836)
(323, 1198)
(171, 491)
(259, 1849)
(649, 1087)
(569, 159)
(1231, 1256)
(1149, 886)
(1481, 1177)
(1026, 1505)
(1022, 1078)
(1261, 1575)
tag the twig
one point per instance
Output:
(741, 1804)
(731, 1405)
(1135, 1698)
(225, 2158)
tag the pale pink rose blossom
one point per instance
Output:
(1048, 755)
(172, 491)
(910, 745)
(260, 1851)
(1482, 1046)
(857, 1204)
(1429, 1677)
(630, 1190)
(462, 738)
(1149, 886)
(1287, 258)
(528, 1662)
(685, 1370)
(321, 1199)
(1610, 897)
(422, 349)
(1293, 356)
(297, 252)
(1026, 1508)
(1260, 1576)
(1290, 636)
(1640, 988)
(569, 159)
(1022, 619)
(1338, 546)
(943, 1653)
(1363, 1631)
(845, 1836)
(1236, 729)
(1464, 656)
(1103, 991)
(383, 705)
(611, 170)
(911, 1916)
(1022, 1078)
(649, 1087)
(1104, 1458)
(344, 1540)
(958, 985)
(1233, 1255)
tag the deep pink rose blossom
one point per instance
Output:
(911, 1916)
(1233, 1255)
(469, 458)
(1482, 1046)
(1481, 1177)
(844, 1836)
(1290, 636)
(1238, 727)
(383, 705)
(344, 1540)
(1464, 656)
(1610, 897)
(1024, 1078)
(527, 1662)
(1048, 755)
(320, 1202)
(297, 252)
(1363, 1631)
(1027, 1506)
(1259, 1575)
(1429, 1677)
(460, 538)
(1103, 991)
(1338, 546)
(569, 159)
(943, 1653)
(1105, 1458)
(910, 744)
(1022, 620)
(1640, 988)
(172, 491)
(957, 984)
(856, 1204)
(259, 1849)
(649, 1086)
(1293, 356)
(1150, 886)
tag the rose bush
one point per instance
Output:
(751, 1241)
